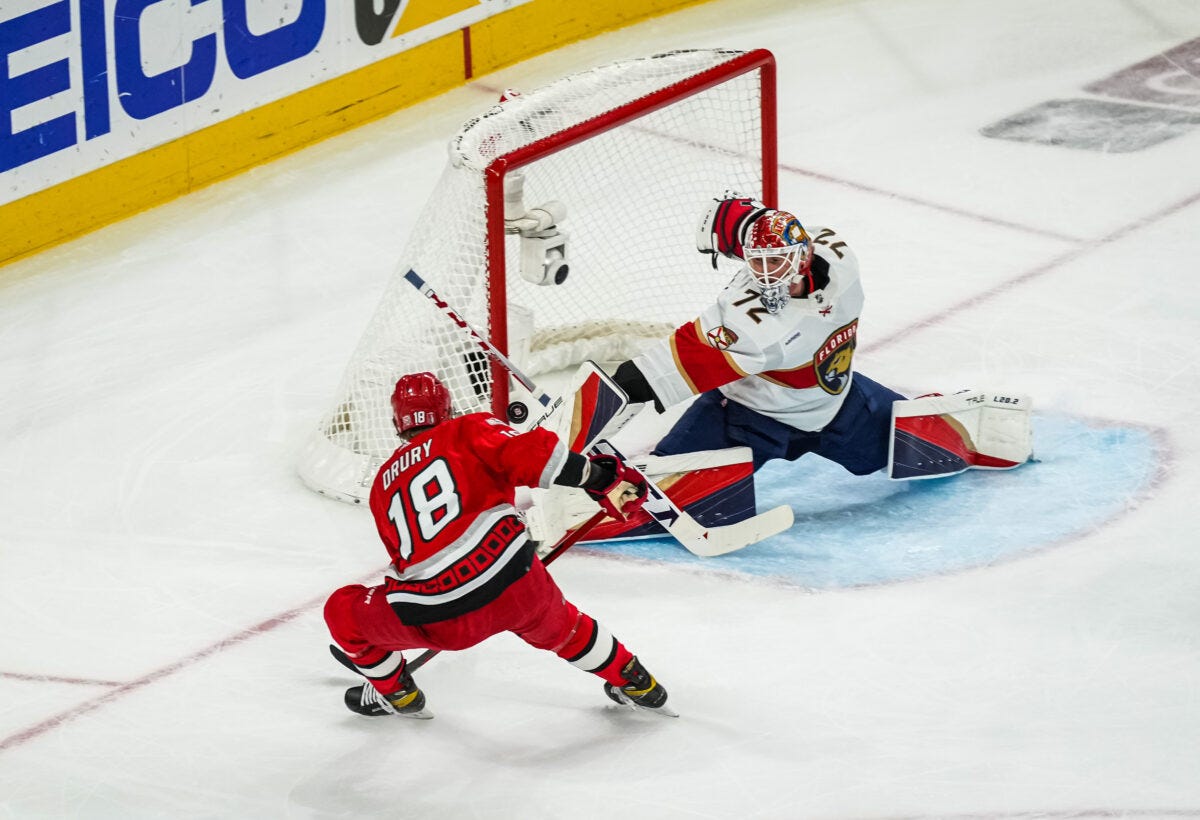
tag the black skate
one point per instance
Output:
(641, 690)
(409, 702)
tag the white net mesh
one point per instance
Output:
(633, 195)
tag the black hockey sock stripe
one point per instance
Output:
(599, 651)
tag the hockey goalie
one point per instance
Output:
(769, 370)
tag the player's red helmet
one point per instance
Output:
(778, 252)
(419, 400)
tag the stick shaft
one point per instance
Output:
(528, 383)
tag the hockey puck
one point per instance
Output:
(518, 413)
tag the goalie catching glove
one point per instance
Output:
(619, 490)
(723, 229)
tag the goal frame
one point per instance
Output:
(760, 60)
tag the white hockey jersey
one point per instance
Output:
(794, 366)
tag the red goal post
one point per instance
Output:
(607, 173)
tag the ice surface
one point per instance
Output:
(1009, 645)
(853, 531)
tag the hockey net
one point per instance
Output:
(624, 158)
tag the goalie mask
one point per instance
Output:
(778, 253)
(419, 400)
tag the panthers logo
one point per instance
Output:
(833, 361)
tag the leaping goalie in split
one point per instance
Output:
(465, 566)
(771, 366)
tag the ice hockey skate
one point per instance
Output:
(641, 691)
(409, 702)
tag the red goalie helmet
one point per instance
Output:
(778, 249)
(778, 253)
(419, 400)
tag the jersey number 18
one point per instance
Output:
(433, 499)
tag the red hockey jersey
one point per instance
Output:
(443, 505)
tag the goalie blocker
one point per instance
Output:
(938, 435)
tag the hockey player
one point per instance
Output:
(772, 359)
(466, 569)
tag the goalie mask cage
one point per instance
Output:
(627, 156)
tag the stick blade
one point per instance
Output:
(732, 537)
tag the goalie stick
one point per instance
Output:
(694, 536)
(565, 543)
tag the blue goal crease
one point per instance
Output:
(855, 531)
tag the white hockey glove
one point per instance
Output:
(724, 226)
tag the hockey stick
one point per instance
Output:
(706, 542)
(565, 543)
(695, 537)
(526, 382)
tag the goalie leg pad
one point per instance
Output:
(716, 487)
(593, 404)
(937, 435)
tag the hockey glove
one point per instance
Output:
(724, 227)
(619, 490)
(630, 378)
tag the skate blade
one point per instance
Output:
(662, 711)
(424, 714)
